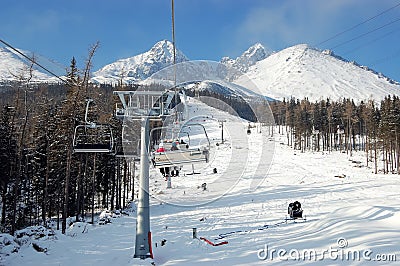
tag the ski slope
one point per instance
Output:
(245, 204)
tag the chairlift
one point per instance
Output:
(140, 104)
(90, 137)
(187, 154)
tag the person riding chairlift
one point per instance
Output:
(174, 146)
(163, 170)
(182, 142)
(161, 148)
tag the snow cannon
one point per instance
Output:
(295, 211)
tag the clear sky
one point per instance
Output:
(205, 29)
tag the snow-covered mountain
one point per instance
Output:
(141, 66)
(301, 71)
(13, 68)
(255, 53)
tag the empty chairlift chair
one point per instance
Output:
(93, 139)
(90, 137)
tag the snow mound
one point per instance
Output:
(78, 228)
(8, 245)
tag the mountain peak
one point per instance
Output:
(164, 47)
(252, 55)
(256, 48)
(141, 66)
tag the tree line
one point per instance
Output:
(343, 125)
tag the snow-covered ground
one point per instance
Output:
(350, 219)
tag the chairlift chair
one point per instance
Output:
(93, 139)
(128, 149)
(183, 156)
(138, 104)
(90, 137)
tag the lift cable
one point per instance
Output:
(364, 34)
(357, 25)
(370, 42)
(34, 62)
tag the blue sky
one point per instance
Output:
(205, 29)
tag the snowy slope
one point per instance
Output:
(245, 204)
(301, 71)
(13, 68)
(141, 66)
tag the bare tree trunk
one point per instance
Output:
(125, 184)
(113, 188)
(66, 190)
(19, 173)
(391, 157)
(366, 145)
(45, 190)
(133, 180)
(93, 185)
(78, 192)
(58, 210)
(397, 154)
(375, 157)
(4, 205)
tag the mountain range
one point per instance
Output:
(298, 71)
